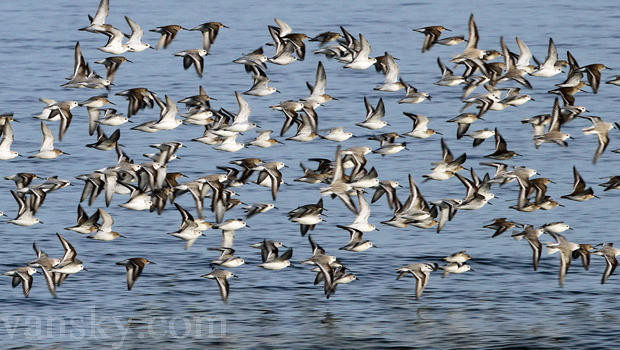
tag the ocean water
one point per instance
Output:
(502, 304)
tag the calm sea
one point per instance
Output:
(502, 304)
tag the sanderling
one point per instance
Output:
(356, 240)
(609, 252)
(22, 275)
(104, 231)
(209, 32)
(195, 57)
(221, 276)
(455, 267)
(421, 272)
(360, 58)
(168, 33)
(227, 258)
(580, 192)
(134, 268)
(373, 115)
(85, 224)
(566, 250)
(551, 66)
(5, 144)
(412, 95)
(431, 35)
(100, 16)
(501, 225)
(531, 234)
(278, 262)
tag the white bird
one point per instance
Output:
(7, 140)
(260, 87)
(278, 262)
(47, 150)
(317, 91)
(550, 67)
(421, 272)
(306, 127)
(241, 121)
(264, 139)
(420, 126)
(134, 43)
(104, 231)
(454, 267)
(373, 116)
(361, 220)
(115, 43)
(25, 212)
(98, 21)
(412, 95)
(190, 229)
(138, 200)
(221, 277)
(337, 134)
(356, 240)
(361, 59)
(230, 144)
(392, 72)
(167, 117)
(447, 76)
(112, 118)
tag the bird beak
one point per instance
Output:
(85, 269)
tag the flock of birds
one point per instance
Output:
(150, 185)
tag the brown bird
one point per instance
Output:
(209, 33)
(168, 33)
(431, 34)
(134, 268)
